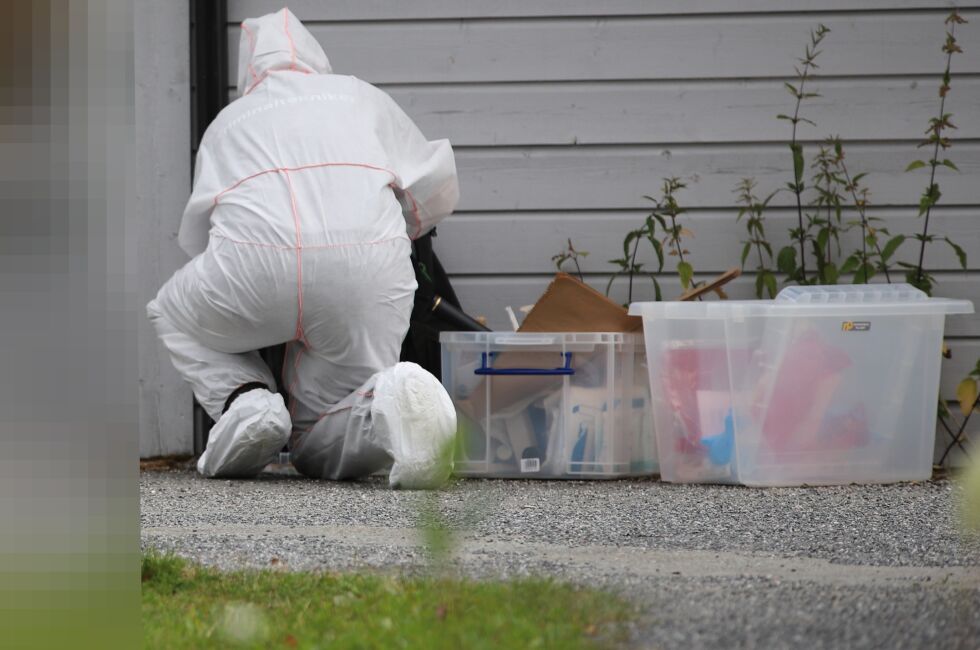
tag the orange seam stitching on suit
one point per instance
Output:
(251, 50)
(299, 263)
(327, 414)
(300, 336)
(217, 196)
(292, 45)
(281, 247)
(415, 213)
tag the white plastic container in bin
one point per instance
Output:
(823, 385)
(564, 405)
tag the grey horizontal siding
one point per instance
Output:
(630, 47)
(600, 177)
(658, 112)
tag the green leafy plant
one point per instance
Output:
(753, 209)
(937, 139)
(668, 209)
(796, 270)
(627, 263)
(862, 263)
(664, 215)
(570, 253)
(828, 216)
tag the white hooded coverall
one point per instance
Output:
(307, 190)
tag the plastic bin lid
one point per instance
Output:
(851, 293)
(530, 339)
(881, 299)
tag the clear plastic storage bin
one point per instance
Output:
(823, 385)
(565, 405)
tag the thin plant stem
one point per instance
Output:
(796, 189)
(636, 247)
(677, 240)
(957, 439)
(933, 164)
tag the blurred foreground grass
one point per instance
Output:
(188, 606)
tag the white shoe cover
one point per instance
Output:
(416, 412)
(247, 437)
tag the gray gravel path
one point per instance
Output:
(709, 566)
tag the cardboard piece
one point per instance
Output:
(570, 305)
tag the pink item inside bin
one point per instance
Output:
(688, 373)
(805, 384)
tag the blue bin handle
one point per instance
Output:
(487, 369)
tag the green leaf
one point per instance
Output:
(745, 252)
(949, 163)
(966, 394)
(792, 89)
(798, 164)
(659, 250)
(759, 282)
(925, 203)
(784, 117)
(960, 253)
(922, 283)
(863, 274)
(891, 247)
(830, 273)
(686, 271)
(656, 290)
(822, 238)
(786, 261)
(850, 264)
(915, 164)
(770, 281)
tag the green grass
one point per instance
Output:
(188, 606)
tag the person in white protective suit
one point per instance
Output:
(307, 191)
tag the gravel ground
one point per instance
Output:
(709, 566)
